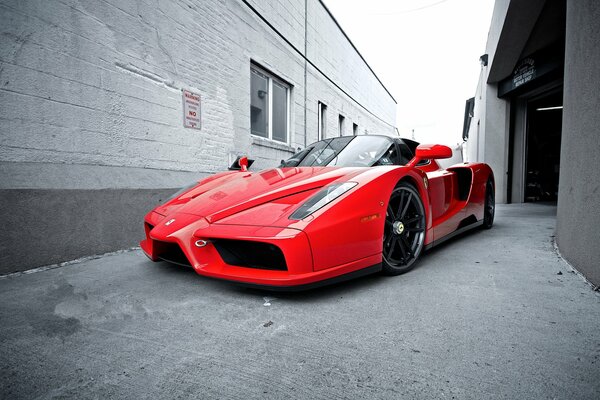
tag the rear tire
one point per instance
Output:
(489, 209)
(404, 230)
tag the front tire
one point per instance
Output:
(404, 230)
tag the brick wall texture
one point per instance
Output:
(99, 83)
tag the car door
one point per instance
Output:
(446, 209)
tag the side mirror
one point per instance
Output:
(430, 152)
(433, 151)
(241, 163)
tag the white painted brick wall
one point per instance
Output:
(98, 82)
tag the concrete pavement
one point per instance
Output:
(492, 314)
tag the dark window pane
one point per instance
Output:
(280, 111)
(469, 106)
(322, 121)
(259, 104)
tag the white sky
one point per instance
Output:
(426, 53)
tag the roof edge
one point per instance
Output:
(355, 49)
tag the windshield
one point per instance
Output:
(346, 151)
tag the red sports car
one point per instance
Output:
(341, 208)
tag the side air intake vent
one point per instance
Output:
(250, 254)
(470, 220)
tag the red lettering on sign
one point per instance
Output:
(191, 96)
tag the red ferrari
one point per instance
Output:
(341, 208)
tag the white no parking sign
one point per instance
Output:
(191, 110)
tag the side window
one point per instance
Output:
(407, 150)
(296, 158)
(328, 152)
(323, 152)
(405, 153)
(269, 105)
(390, 157)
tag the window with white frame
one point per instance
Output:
(269, 105)
(322, 116)
(355, 129)
(341, 124)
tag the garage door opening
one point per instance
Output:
(542, 163)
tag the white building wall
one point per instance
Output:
(488, 132)
(287, 16)
(90, 99)
(100, 83)
(90, 82)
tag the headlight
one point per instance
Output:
(323, 197)
(182, 191)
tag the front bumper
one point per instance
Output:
(185, 230)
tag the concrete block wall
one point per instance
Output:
(578, 209)
(287, 16)
(103, 82)
(90, 99)
(578, 213)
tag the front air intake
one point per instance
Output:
(171, 252)
(250, 254)
(148, 228)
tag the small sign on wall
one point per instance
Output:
(191, 110)
(524, 73)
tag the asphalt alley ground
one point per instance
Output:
(492, 314)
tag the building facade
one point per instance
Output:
(107, 107)
(535, 116)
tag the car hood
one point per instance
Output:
(229, 193)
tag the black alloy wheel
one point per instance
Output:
(404, 231)
(490, 205)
